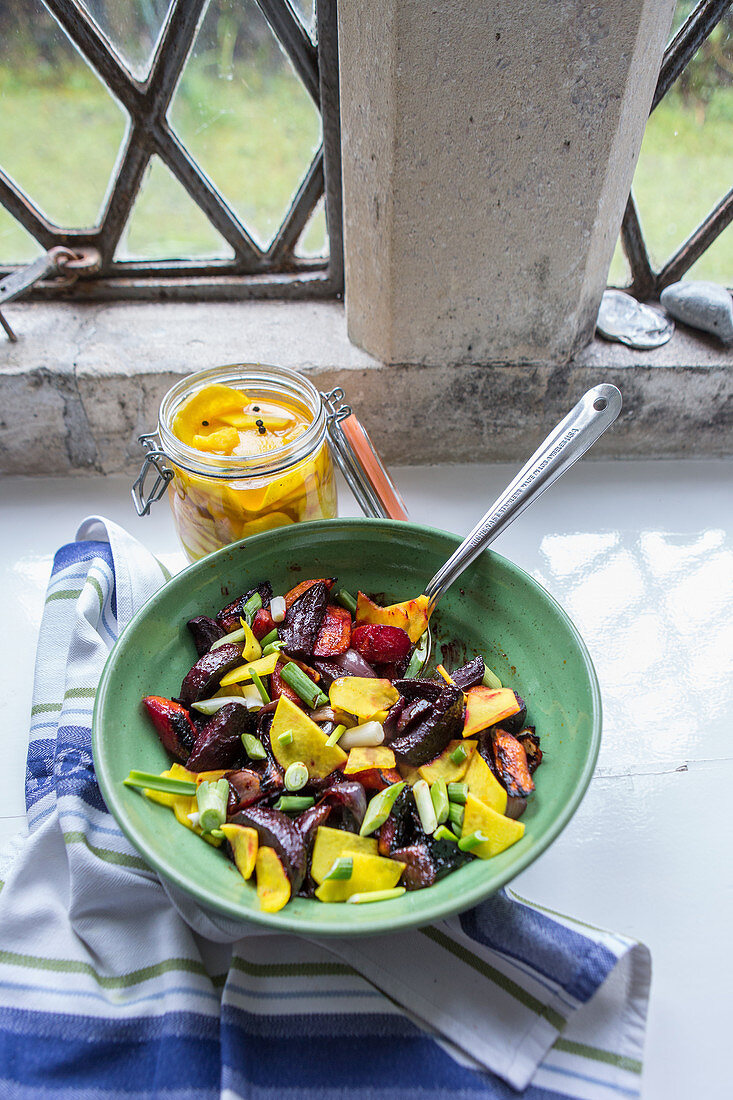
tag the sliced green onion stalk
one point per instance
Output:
(252, 606)
(285, 738)
(303, 686)
(211, 706)
(418, 657)
(344, 597)
(458, 755)
(278, 609)
(425, 807)
(366, 734)
(150, 781)
(380, 808)
(333, 738)
(272, 647)
(458, 792)
(439, 796)
(294, 803)
(441, 833)
(260, 686)
(342, 869)
(376, 895)
(235, 636)
(296, 776)
(473, 840)
(491, 680)
(211, 799)
(217, 833)
(455, 815)
(269, 638)
(255, 749)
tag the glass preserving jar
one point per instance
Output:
(247, 448)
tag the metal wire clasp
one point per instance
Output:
(155, 458)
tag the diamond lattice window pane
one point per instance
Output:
(306, 9)
(16, 246)
(619, 273)
(313, 241)
(52, 103)
(166, 224)
(244, 115)
(716, 263)
(132, 28)
(686, 160)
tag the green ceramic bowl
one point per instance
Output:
(494, 609)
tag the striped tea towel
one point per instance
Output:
(114, 985)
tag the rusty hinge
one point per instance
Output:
(66, 264)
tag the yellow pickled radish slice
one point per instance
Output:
(222, 441)
(207, 404)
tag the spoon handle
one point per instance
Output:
(596, 411)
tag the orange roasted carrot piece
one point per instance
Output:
(295, 593)
(334, 636)
(511, 764)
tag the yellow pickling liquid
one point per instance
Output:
(211, 512)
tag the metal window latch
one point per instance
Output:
(59, 262)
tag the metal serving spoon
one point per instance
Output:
(573, 436)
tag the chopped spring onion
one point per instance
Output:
(491, 680)
(473, 840)
(441, 833)
(380, 808)
(269, 638)
(285, 738)
(235, 636)
(217, 834)
(194, 818)
(211, 799)
(294, 803)
(303, 686)
(272, 647)
(278, 608)
(150, 781)
(363, 736)
(344, 597)
(458, 792)
(342, 868)
(417, 660)
(458, 755)
(255, 749)
(333, 738)
(439, 795)
(251, 607)
(296, 776)
(455, 815)
(260, 686)
(376, 895)
(211, 706)
(425, 807)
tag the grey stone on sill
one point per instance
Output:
(84, 381)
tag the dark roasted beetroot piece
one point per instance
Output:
(515, 723)
(328, 672)
(347, 798)
(203, 679)
(309, 820)
(447, 857)
(262, 623)
(402, 828)
(485, 748)
(386, 836)
(228, 617)
(413, 712)
(429, 736)
(205, 632)
(389, 725)
(276, 830)
(302, 622)
(420, 868)
(531, 743)
(219, 744)
(352, 663)
(469, 675)
(173, 725)
(511, 764)
(381, 644)
(395, 670)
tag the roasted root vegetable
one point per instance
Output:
(385, 784)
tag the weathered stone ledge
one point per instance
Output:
(85, 380)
